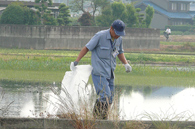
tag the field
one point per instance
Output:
(51, 65)
(180, 38)
(172, 65)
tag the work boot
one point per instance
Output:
(96, 109)
(104, 110)
(100, 110)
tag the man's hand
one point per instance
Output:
(128, 68)
(76, 63)
(73, 64)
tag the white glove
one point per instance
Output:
(128, 68)
(72, 66)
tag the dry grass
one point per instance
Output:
(180, 38)
(4, 109)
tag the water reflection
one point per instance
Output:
(164, 103)
(135, 103)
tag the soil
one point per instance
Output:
(179, 38)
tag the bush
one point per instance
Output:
(13, 14)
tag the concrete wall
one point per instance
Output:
(49, 123)
(55, 37)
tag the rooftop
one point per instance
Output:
(181, 15)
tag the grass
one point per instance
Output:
(32, 76)
(140, 76)
(176, 43)
(40, 60)
(169, 119)
(51, 65)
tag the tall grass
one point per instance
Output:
(4, 109)
(168, 119)
(82, 116)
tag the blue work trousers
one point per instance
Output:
(104, 88)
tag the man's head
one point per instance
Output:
(119, 27)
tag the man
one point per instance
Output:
(105, 46)
(168, 32)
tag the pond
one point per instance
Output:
(19, 99)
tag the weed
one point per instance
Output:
(168, 119)
(136, 125)
(79, 111)
(4, 109)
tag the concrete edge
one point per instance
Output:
(55, 123)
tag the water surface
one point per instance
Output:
(135, 103)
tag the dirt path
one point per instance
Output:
(180, 38)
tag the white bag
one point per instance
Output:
(74, 89)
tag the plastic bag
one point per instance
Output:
(74, 89)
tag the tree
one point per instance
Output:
(149, 15)
(48, 19)
(31, 17)
(132, 18)
(95, 4)
(118, 10)
(85, 19)
(141, 23)
(129, 14)
(17, 13)
(106, 18)
(64, 14)
(43, 7)
(13, 14)
(77, 5)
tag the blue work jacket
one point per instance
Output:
(102, 48)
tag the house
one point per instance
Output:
(2, 9)
(54, 8)
(169, 12)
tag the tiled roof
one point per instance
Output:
(181, 15)
(192, 13)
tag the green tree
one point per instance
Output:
(95, 4)
(43, 7)
(141, 23)
(48, 19)
(17, 13)
(132, 17)
(149, 15)
(106, 18)
(118, 10)
(63, 18)
(13, 14)
(31, 17)
(85, 19)
(77, 5)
